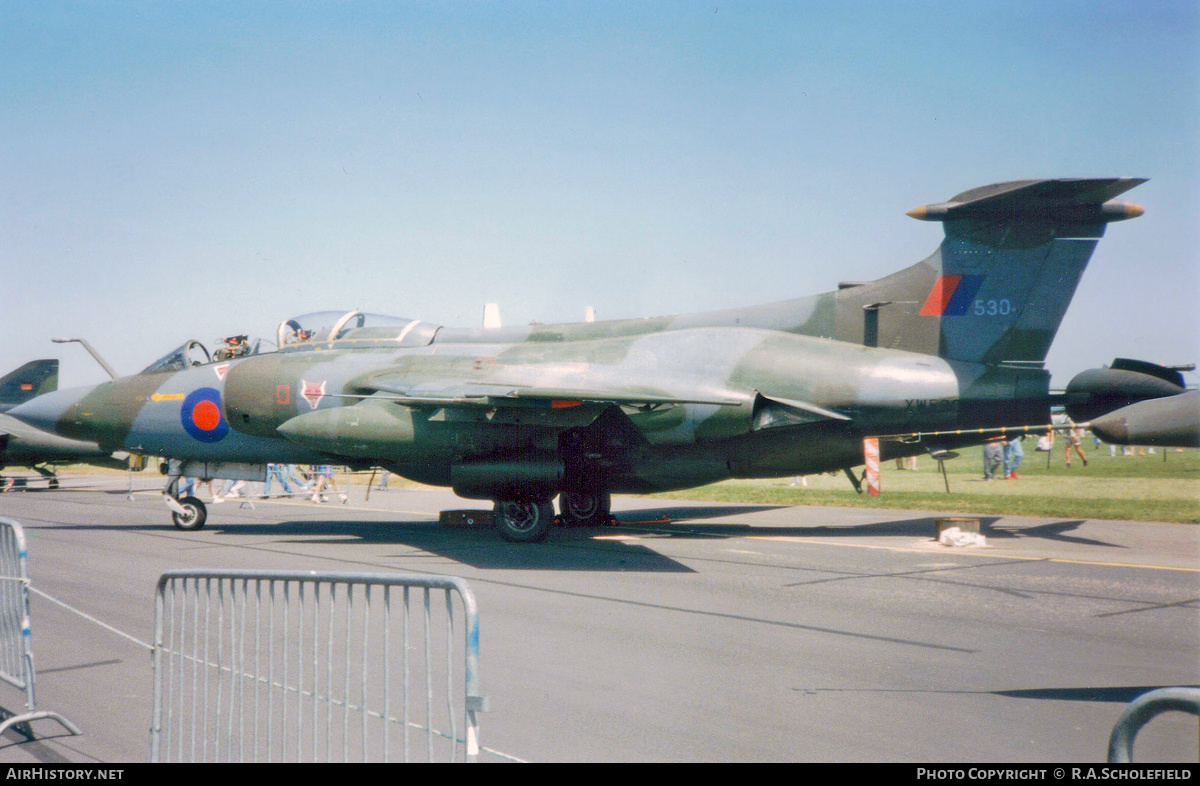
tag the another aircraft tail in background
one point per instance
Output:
(32, 379)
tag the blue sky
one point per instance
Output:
(179, 170)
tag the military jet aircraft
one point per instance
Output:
(518, 415)
(25, 446)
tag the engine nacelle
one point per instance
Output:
(366, 430)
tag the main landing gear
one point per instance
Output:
(530, 521)
(585, 508)
(523, 521)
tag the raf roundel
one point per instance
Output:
(201, 415)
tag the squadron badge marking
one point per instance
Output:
(313, 392)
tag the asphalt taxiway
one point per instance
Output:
(691, 632)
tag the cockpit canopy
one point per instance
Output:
(193, 353)
(190, 353)
(329, 326)
(318, 327)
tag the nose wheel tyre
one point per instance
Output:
(193, 516)
(523, 522)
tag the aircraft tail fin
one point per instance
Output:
(32, 379)
(998, 287)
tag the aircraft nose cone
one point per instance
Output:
(46, 412)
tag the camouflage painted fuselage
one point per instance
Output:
(953, 342)
(235, 411)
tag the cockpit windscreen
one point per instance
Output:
(190, 353)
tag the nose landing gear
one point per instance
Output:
(188, 513)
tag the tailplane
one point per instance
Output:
(998, 287)
(32, 379)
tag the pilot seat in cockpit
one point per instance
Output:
(234, 347)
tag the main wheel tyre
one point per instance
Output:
(523, 522)
(194, 515)
(585, 508)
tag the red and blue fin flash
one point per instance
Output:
(951, 295)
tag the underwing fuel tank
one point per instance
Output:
(1172, 422)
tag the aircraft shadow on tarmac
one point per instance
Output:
(1116, 695)
(679, 522)
(479, 547)
(607, 548)
(689, 513)
(626, 547)
(1112, 694)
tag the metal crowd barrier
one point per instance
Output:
(1141, 711)
(267, 666)
(16, 633)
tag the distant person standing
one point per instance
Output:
(993, 457)
(1071, 440)
(297, 476)
(1013, 453)
(325, 479)
(209, 485)
(276, 472)
(232, 488)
